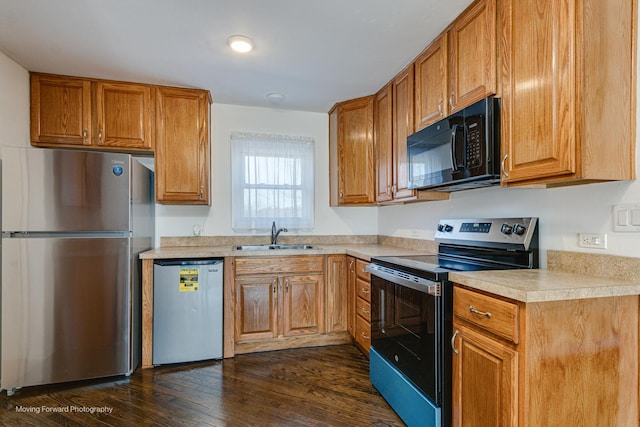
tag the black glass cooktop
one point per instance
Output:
(437, 267)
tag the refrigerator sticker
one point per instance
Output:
(188, 279)
(117, 170)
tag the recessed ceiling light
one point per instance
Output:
(242, 44)
(275, 98)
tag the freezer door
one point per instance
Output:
(64, 190)
(65, 310)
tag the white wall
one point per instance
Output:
(563, 212)
(14, 103)
(216, 220)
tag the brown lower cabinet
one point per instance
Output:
(361, 304)
(279, 297)
(288, 302)
(544, 363)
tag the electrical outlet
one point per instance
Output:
(592, 240)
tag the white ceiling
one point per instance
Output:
(315, 52)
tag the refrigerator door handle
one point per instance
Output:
(62, 234)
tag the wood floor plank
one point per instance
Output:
(319, 386)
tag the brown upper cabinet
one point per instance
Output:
(472, 55)
(77, 112)
(123, 115)
(431, 86)
(459, 67)
(172, 123)
(60, 111)
(182, 146)
(351, 159)
(569, 89)
(393, 108)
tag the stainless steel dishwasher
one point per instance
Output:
(187, 310)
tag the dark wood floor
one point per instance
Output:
(323, 386)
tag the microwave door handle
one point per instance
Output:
(454, 160)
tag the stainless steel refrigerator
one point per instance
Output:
(73, 224)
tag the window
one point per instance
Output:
(272, 180)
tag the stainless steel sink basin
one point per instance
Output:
(273, 247)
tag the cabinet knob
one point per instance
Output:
(84, 134)
(453, 93)
(100, 135)
(440, 107)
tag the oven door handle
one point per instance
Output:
(408, 280)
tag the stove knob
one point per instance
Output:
(506, 229)
(448, 228)
(440, 227)
(519, 229)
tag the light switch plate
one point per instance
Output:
(626, 218)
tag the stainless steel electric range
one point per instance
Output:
(412, 310)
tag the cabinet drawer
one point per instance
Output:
(363, 308)
(492, 314)
(267, 265)
(363, 289)
(363, 333)
(361, 271)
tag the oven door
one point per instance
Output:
(406, 330)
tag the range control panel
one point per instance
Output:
(515, 233)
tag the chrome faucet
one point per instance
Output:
(275, 234)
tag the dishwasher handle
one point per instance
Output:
(200, 261)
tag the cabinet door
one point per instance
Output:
(356, 162)
(402, 127)
(182, 146)
(123, 115)
(302, 305)
(383, 111)
(351, 295)
(473, 55)
(485, 380)
(337, 293)
(431, 84)
(60, 111)
(256, 308)
(538, 122)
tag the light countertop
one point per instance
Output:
(522, 285)
(544, 285)
(362, 251)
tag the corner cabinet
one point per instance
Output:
(351, 158)
(182, 146)
(337, 293)
(524, 364)
(569, 90)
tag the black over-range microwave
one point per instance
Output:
(457, 153)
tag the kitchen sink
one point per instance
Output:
(272, 247)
